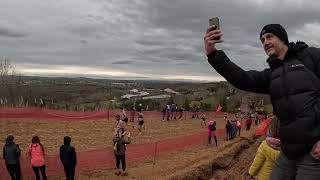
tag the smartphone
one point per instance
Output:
(215, 21)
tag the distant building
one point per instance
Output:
(134, 90)
(171, 91)
(140, 94)
(157, 97)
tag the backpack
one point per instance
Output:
(116, 146)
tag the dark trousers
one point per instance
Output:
(42, 169)
(248, 127)
(239, 130)
(230, 133)
(304, 168)
(122, 159)
(14, 171)
(69, 171)
(215, 139)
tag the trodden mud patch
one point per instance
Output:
(231, 164)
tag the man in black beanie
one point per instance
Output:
(293, 83)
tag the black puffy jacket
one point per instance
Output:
(11, 153)
(68, 154)
(293, 85)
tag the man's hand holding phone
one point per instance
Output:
(212, 36)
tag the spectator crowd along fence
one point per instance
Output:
(102, 158)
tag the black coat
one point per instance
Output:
(68, 156)
(293, 85)
(11, 153)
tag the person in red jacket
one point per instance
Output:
(36, 154)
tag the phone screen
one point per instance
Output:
(214, 21)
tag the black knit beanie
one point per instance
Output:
(277, 30)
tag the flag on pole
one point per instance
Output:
(219, 108)
(263, 127)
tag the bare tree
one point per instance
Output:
(9, 83)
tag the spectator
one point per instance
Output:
(293, 83)
(267, 154)
(248, 123)
(68, 158)
(36, 154)
(203, 119)
(238, 127)
(212, 132)
(119, 142)
(11, 155)
(228, 130)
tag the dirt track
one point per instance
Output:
(230, 160)
(190, 163)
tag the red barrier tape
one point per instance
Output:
(104, 158)
(35, 113)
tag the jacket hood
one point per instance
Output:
(270, 152)
(67, 141)
(293, 50)
(9, 143)
(35, 144)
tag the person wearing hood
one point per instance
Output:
(119, 147)
(37, 154)
(267, 153)
(11, 155)
(293, 83)
(68, 158)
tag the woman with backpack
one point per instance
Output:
(36, 154)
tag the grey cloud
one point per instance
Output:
(152, 37)
(123, 62)
(6, 32)
(82, 41)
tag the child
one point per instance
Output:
(68, 158)
(132, 113)
(120, 125)
(212, 132)
(181, 109)
(124, 117)
(248, 123)
(119, 142)
(238, 126)
(267, 153)
(11, 155)
(203, 119)
(140, 122)
(36, 154)
(228, 129)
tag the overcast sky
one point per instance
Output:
(143, 39)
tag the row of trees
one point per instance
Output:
(13, 94)
(10, 83)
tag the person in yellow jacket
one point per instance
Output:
(267, 153)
